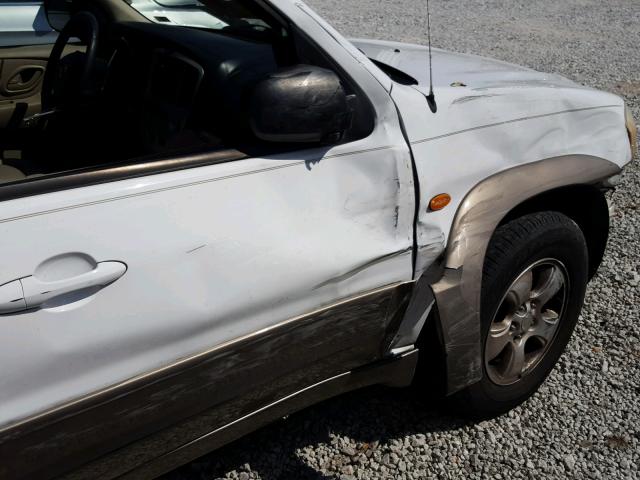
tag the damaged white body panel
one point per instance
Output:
(494, 121)
(491, 116)
(293, 234)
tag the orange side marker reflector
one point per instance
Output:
(439, 202)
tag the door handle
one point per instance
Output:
(30, 292)
(11, 298)
(38, 294)
(24, 79)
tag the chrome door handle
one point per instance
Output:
(30, 292)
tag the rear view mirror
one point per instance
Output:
(58, 13)
(301, 104)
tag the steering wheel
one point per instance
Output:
(67, 82)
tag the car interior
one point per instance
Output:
(118, 89)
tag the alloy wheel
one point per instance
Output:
(526, 321)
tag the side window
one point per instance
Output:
(24, 23)
(159, 97)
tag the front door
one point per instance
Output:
(138, 279)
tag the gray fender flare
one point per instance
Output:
(458, 292)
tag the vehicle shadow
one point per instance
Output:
(371, 417)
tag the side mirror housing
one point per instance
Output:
(58, 13)
(300, 104)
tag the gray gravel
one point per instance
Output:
(585, 420)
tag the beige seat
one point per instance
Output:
(10, 174)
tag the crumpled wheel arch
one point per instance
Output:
(490, 202)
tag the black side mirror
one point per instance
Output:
(300, 104)
(58, 13)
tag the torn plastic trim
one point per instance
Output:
(611, 182)
(461, 333)
(416, 316)
(418, 310)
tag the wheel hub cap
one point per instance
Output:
(526, 322)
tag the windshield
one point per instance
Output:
(208, 14)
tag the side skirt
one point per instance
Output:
(117, 430)
(394, 372)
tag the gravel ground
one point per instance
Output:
(585, 420)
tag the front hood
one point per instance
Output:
(456, 69)
(474, 94)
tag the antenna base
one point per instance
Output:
(431, 101)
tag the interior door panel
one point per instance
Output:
(21, 78)
(21, 73)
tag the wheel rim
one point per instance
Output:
(526, 322)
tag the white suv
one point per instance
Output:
(207, 229)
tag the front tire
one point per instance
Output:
(534, 281)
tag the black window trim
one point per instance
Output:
(91, 176)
